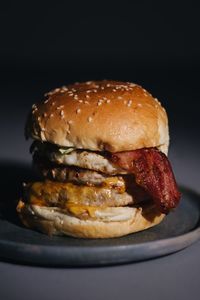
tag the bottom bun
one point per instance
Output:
(55, 221)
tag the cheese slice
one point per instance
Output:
(58, 194)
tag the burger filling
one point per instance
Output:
(90, 160)
(86, 184)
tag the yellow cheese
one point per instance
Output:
(114, 182)
(78, 210)
(20, 205)
(48, 192)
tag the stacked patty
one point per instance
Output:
(85, 183)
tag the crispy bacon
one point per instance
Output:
(153, 172)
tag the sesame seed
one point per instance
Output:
(65, 88)
(51, 115)
(45, 115)
(133, 84)
(39, 119)
(62, 113)
(43, 129)
(46, 101)
(89, 119)
(76, 97)
(129, 103)
(88, 91)
(34, 106)
(32, 212)
(108, 85)
(59, 107)
(71, 94)
(70, 122)
(80, 101)
(139, 105)
(99, 102)
(102, 87)
(61, 222)
(108, 101)
(53, 103)
(95, 91)
(78, 111)
(86, 102)
(157, 101)
(114, 90)
(89, 82)
(87, 96)
(119, 97)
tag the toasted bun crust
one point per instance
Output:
(56, 222)
(100, 115)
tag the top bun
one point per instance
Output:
(100, 115)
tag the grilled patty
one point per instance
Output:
(80, 158)
(58, 194)
(77, 175)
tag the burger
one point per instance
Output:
(100, 148)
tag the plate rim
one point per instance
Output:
(176, 243)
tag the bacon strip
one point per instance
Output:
(153, 172)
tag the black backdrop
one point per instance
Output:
(44, 44)
(99, 35)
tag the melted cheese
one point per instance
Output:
(113, 182)
(78, 200)
(78, 210)
(45, 191)
(38, 201)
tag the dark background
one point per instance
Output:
(50, 43)
(45, 44)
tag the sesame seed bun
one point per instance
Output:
(100, 115)
(120, 221)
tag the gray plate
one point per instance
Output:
(179, 230)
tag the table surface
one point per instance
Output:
(174, 276)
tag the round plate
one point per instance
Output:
(178, 230)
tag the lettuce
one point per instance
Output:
(64, 151)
